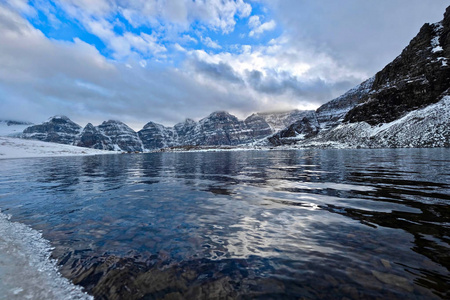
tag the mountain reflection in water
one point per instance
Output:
(314, 224)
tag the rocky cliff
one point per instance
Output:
(91, 137)
(121, 136)
(420, 76)
(218, 129)
(403, 105)
(58, 129)
(110, 135)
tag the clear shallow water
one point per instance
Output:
(316, 224)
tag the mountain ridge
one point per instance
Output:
(406, 104)
(217, 129)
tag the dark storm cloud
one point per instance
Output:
(216, 71)
(279, 83)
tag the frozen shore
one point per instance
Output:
(19, 148)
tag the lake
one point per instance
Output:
(305, 224)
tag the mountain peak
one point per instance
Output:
(59, 117)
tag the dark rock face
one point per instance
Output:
(403, 105)
(156, 136)
(219, 128)
(222, 128)
(110, 135)
(122, 137)
(332, 113)
(58, 129)
(420, 76)
(91, 137)
(185, 129)
(258, 125)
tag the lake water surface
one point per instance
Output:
(306, 224)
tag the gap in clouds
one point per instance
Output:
(162, 61)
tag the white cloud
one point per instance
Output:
(22, 6)
(309, 64)
(128, 44)
(258, 28)
(179, 48)
(41, 77)
(186, 38)
(362, 35)
(210, 43)
(175, 14)
(254, 21)
(166, 18)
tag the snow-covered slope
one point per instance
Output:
(425, 127)
(403, 105)
(21, 148)
(332, 113)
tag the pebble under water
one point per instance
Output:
(305, 224)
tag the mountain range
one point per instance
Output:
(219, 128)
(406, 104)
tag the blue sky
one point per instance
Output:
(166, 60)
(250, 25)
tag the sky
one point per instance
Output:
(168, 60)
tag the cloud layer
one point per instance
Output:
(164, 61)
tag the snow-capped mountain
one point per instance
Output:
(403, 105)
(121, 136)
(91, 137)
(110, 135)
(407, 104)
(58, 129)
(157, 136)
(219, 128)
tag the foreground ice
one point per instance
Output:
(26, 270)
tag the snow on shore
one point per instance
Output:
(13, 147)
(20, 148)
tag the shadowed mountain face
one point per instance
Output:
(420, 76)
(58, 129)
(404, 105)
